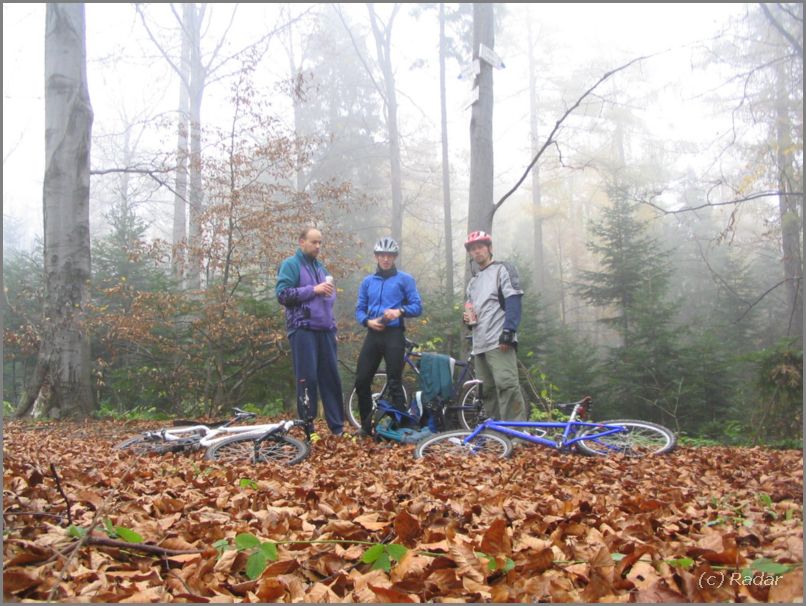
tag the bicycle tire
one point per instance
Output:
(143, 445)
(641, 439)
(450, 443)
(280, 449)
(472, 411)
(379, 384)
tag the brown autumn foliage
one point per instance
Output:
(559, 527)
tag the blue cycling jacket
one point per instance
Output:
(378, 293)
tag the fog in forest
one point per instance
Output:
(658, 236)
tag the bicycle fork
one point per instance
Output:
(307, 420)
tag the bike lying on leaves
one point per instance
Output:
(625, 436)
(229, 442)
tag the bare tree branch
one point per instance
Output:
(131, 171)
(764, 194)
(780, 28)
(150, 172)
(61, 492)
(358, 52)
(152, 549)
(758, 300)
(550, 139)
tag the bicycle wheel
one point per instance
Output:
(641, 439)
(472, 411)
(450, 443)
(145, 444)
(281, 449)
(378, 391)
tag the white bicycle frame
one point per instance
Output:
(212, 435)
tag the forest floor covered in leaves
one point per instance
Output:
(358, 522)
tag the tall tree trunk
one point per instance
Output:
(480, 202)
(196, 199)
(62, 375)
(194, 75)
(446, 168)
(561, 278)
(790, 217)
(179, 232)
(480, 207)
(537, 209)
(124, 177)
(383, 45)
(297, 85)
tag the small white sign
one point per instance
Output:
(474, 96)
(488, 55)
(471, 71)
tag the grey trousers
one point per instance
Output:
(501, 390)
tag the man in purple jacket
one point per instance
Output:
(308, 298)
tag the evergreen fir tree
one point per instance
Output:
(643, 373)
(633, 266)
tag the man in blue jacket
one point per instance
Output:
(308, 297)
(384, 299)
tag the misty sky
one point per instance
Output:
(126, 76)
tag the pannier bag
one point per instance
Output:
(394, 424)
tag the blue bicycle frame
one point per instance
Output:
(570, 429)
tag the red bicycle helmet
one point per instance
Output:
(478, 236)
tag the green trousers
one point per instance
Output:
(501, 390)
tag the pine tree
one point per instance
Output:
(642, 373)
(633, 266)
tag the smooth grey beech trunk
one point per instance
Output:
(383, 45)
(61, 381)
(480, 203)
(179, 231)
(791, 215)
(537, 204)
(446, 167)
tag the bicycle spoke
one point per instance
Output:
(639, 439)
(453, 444)
(283, 450)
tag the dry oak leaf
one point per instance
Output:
(370, 521)
(226, 562)
(496, 541)
(17, 581)
(658, 592)
(467, 563)
(788, 588)
(484, 591)
(393, 596)
(270, 589)
(410, 565)
(407, 527)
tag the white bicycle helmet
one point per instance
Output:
(387, 245)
